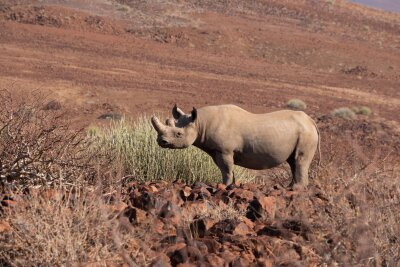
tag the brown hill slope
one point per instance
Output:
(144, 56)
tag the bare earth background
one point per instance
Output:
(132, 57)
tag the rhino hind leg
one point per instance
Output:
(303, 156)
(225, 164)
(292, 163)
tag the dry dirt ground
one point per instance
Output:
(132, 57)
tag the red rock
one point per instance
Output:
(153, 189)
(197, 207)
(158, 226)
(145, 201)
(199, 193)
(178, 253)
(200, 227)
(214, 260)
(135, 215)
(242, 229)
(269, 205)
(262, 206)
(228, 256)
(221, 186)
(212, 245)
(186, 264)
(162, 260)
(241, 262)
(174, 247)
(242, 194)
(247, 255)
(171, 212)
(4, 226)
(201, 246)
(185, 192)
(248, 222)
(241, 206)
(264, 262)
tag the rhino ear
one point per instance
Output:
(177, 112)
(194, 114)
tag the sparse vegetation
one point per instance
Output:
(363, 110)
(133, 147)
(37, 146)
(296, 104)
(344, 112)
(58, 227)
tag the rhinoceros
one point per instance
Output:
(234, 136)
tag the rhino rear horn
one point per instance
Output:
(177, 112)
(194, 114)
(158, 126)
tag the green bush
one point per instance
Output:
(296, 104)
(344, 113)
(363, 110)
(133, 147)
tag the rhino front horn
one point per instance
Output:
(157, 124)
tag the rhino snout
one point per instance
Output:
(163, 143)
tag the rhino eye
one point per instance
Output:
(178, 134)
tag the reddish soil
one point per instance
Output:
(329, 55)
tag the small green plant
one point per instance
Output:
(123, 8)
(363, 110)
(133, 147)
(296, 104)
(344, 112)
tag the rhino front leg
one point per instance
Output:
(224, 162)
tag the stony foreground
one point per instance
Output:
(239, 225)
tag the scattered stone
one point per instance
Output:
(200, 227)
(214, 260)
(242, 194)
(4, 226)
(242, 229)
(262, 207)
(135, 215)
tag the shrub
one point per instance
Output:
(344, 112)
(365, 111)
(296, 104)
(133, 147)
(37, 146)
(61, 228)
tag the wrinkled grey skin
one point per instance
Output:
(231, 135)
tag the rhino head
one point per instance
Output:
(179, 131)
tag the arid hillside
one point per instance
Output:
(131, 57)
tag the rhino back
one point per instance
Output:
(258, 141)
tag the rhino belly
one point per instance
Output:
(258, 161)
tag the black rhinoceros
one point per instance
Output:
(232, 135)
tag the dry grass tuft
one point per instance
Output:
(296, 104)
(344, 112)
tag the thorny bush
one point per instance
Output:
(37, 146)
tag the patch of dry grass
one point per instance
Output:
(62, 227)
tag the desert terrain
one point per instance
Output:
(106, 59)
